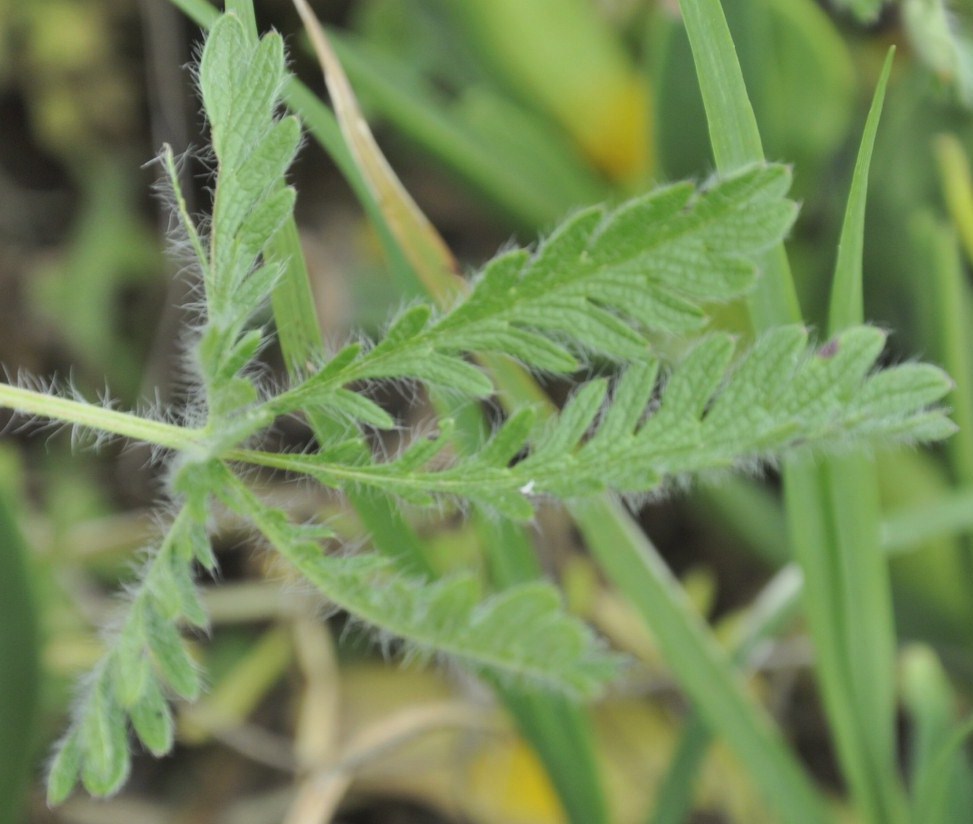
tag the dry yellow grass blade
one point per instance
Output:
(422, 245)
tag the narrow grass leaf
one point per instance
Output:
(952, 301)
(846, 574)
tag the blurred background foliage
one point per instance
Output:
(501, 116)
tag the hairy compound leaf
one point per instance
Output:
(739, 407)
(781, 396)
(554, 650)
(241, 82)
(242, 119)
(598, 284)
(256, 288)
(262, 224)
(925, 427)
(551, 649)
(199, 543)
(423, 449)
(604, 283)
(673, 242)
(692, 385)
(125, 685)
(224, 357)
(172, 589)
(522, 345)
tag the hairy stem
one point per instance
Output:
(78, 413)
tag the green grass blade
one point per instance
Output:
(909, 527)
(957, 186)
(674, 798)
(847, 302)
(202, 12)
(20, 673)
(902, 529)
(772, 610)
(951, 297)
(822, 536)
(847, 603)
(852, 603)
(702, 668)
(430, 258)
(736, 142)
(834, 517)
(940, 770)
(950, 313)
(557, 728)
(935, 803)
(320, 123)
(293, 302)
(733, 130)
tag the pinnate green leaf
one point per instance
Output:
(781, 395)
(447, 616)
(598, 284)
